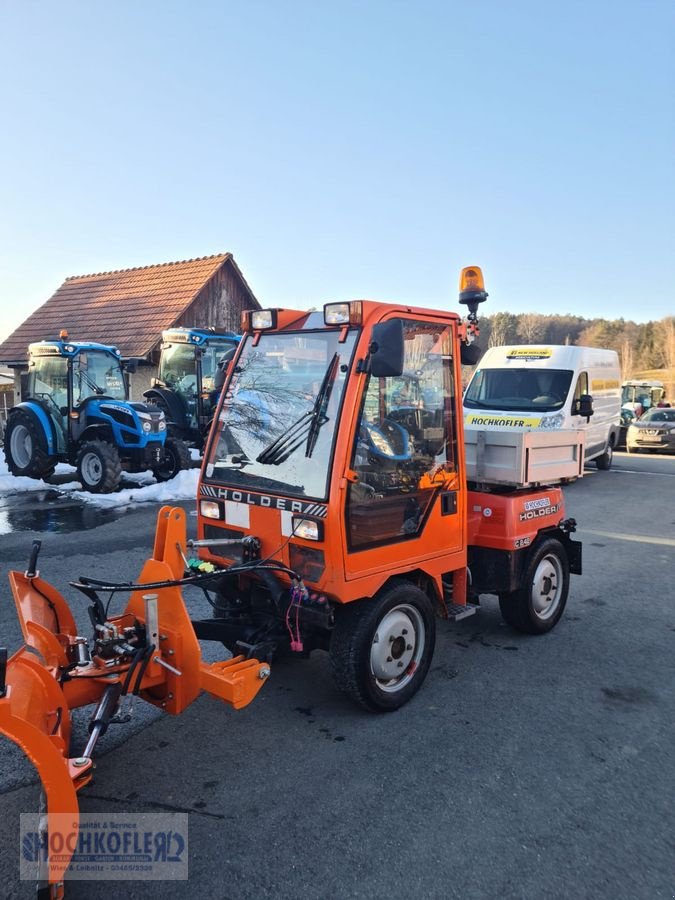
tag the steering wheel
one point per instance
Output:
(389, 441)
(414, 418)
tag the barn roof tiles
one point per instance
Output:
(127, 307)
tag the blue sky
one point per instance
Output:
(344, 149)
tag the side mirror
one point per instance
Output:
(387, 349)
(583, 406)
(131, 366)
(469, 354)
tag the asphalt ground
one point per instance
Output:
(526, 767)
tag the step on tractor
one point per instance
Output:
(335, 513)
(75, 409)
(192, 366)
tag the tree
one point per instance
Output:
(503, 329)
(532, 328)
(667, 342)
(626, 357)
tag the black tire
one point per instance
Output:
(537, 606)
(400, 617)
(176, 457)
(604, 462)
(98, 467)
(26, 447)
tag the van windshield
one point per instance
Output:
(520, 390)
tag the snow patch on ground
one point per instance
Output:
(147, 490)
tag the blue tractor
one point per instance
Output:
(191, 374)
(75, 409)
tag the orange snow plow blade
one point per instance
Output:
(150, 650)
(34, 715)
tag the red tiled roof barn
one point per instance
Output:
(129, 308)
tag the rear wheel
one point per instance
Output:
(605, 461)
(537, 606)
(176, 456)
(382, 647)
(26, 447)
(98, 467)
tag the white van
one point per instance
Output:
(549, 387)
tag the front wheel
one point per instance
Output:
(537, 606)
(382, 647)
(25, 446)
(98, 467)
(176, 456)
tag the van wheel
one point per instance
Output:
(98, 467)
(605, 461)
(381, 648)
(537, 606)
(25, 446)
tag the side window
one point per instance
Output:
(405, 448)
(581, 386)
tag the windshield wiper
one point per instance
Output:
(319, 417)
(306, 428)
(90, 381)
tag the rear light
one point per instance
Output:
(209, 509)
(307, 529)
(343, 313)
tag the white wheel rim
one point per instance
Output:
(21, 446)
(397, 648)
(91, 468)
(547, 587)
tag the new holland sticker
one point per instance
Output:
(529, 353)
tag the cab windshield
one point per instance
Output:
(178, 368)
(277, 425)
(520, 390)
(97, 374)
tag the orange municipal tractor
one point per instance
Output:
(337, 457)
(335, 513)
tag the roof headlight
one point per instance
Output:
(262, 319)
(343, 313)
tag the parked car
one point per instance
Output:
(654, 431)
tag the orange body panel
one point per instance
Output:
(512, 521)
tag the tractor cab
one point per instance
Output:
(191, 374)
(64, 376)
(639, 396)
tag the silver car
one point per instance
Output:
(653, 431)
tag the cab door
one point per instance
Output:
(593, 429)
(403, 497)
